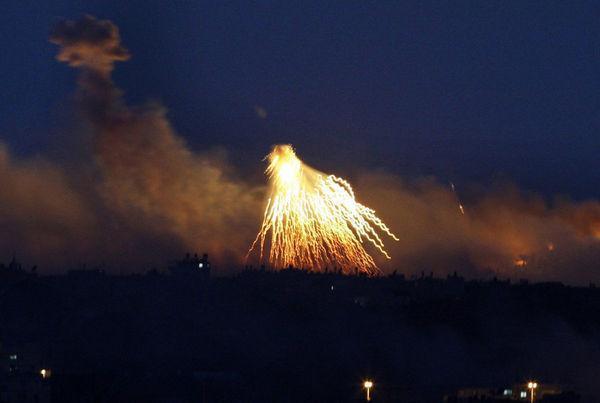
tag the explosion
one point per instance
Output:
(314, 220)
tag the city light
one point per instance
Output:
(368, 385)
(45, 373)
(532, 386)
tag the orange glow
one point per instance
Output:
(314, 221)
(521, 261)
(596, 230)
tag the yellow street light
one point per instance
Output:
(532, 386)
(368, 385)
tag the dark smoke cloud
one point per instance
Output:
(144, 197)
(89, 44)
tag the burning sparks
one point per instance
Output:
(314, 220)
(461, 208)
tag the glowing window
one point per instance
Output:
(200, 265)
(507, 392)
(13, 357)
(523, 394)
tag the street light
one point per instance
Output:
(532, 386)
(368, 385)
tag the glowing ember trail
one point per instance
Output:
(313, 220)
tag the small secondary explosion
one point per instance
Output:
(314, 221)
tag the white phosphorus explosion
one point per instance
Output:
(313, 220)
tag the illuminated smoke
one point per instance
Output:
(506, 231)
(150, 181)
(314, 221)
(41, 213)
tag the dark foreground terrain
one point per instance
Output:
(292, 336)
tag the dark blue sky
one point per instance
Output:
(468, 92)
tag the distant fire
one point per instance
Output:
(521, 261)
(314, 221)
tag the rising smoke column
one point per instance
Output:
(314, 221)
(151, 183)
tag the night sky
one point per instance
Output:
(468, 92)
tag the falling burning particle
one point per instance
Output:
(550, 247)
(461, 208)
(314, 220)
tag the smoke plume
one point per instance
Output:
(89, 44)
(148, 195)
(149, 180)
